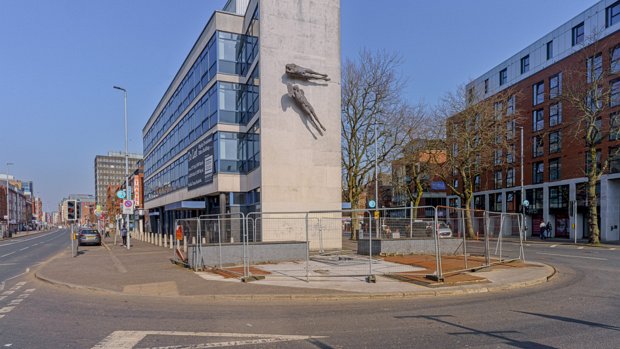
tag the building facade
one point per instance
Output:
(554, 155)
(110, 169)
(235, 132)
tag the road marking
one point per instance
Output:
(8, 254)
(128, 339)
(33, 238)
(7, 264)
(17, 301)
(25, 248)
(569, 256)
(552, 246)
(6, 310)
(612, 249)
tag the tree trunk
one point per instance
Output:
(593, 211)
(418, 198)
(355, 221)
(468, 217)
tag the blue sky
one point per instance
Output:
(59, 60)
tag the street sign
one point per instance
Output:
(372, 204)
(128, 206)
(121, 194)
(526, 203)
(376, 214)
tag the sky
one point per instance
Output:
(59, 60)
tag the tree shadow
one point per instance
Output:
(572, 320)
(501, 335)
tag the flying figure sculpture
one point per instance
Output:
(297, 94)
(296, 72)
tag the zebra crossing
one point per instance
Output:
(12, 298)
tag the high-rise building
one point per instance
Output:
(251, 121)
(110, 169)
(544, 80)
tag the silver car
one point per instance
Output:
(89, 237)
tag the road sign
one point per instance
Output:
(376, 214)
(128, 206)
(526, 203)
(372, 204)
(121, 194)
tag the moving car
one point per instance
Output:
(443, 230)
(89, 237)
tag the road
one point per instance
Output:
(578, 308)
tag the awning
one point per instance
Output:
(185, 205)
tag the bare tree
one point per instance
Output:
(372, 96)
(591, 95)
(477, 138)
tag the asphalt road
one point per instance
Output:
(20, 254)
(579, 308)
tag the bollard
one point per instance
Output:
(204, 241)
(171, 241)
(165, 241)
(159, 240)
(193, 240)
(185, 245)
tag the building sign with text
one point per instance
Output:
(200, 164)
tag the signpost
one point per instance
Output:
(121, 194)
(128, 206)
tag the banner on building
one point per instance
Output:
(200, 164)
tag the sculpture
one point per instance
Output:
(296, 72)
(297, 94)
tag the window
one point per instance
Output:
(537, 146)
(614, 126)
(510, 177)
(525, 64)
(558, 197)
(539, 171)
(498, 157)
(612, 14)
(555, 114)
(477, 183)
(614, 159)
(498, 179)
(550, 50)
(510, 129)
(538, 119)
(555, 85)
(554, 142)
(479, 202)
(539, 93)
(503, 76)
(594, 67)
(510, 108)
(470, 95)
(496, 202)
(614, 99)
(578, 34)
(615, 59)
(597, 131)
(510, 155)
(486, 86)
(595, 99)
(554, 169)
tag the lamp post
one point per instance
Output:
(8, 209)
(126, 167)
(376, 177)
(522, 186)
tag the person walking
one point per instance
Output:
(124, 234)
(548, 229)
(543, 227)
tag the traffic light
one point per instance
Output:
(71, 210)
(78, 210)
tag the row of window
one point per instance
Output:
(225, 53)
(233, 153)
(223, 103)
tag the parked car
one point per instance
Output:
(443, 230)
(89, 237)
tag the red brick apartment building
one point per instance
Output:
(554, 153)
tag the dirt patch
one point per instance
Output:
(236, 272)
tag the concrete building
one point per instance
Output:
(227, 137)
(554, 158)
(110, 169)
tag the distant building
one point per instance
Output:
(110, 169)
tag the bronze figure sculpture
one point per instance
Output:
(297, 94)
(296, 72)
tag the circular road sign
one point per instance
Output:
(128, 203)
(526, 203)
(120, 194)
(372, 204)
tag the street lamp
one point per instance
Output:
(8, 210)
(522, 186)
(126, 166)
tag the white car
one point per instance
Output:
(444, 231)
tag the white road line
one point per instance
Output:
(8, 254)
(580, 248)
(552, 246)
(6, 310)
(612, 249)
(569, 256)
(128, 339)
(33, 238)
(25, 248)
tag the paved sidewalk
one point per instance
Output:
(146, 270)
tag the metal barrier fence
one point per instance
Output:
(317, 245)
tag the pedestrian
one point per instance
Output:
(107, 233)
(543, 227)
(124, 234)
(548, 229)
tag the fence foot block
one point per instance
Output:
(434, 277)
(371, 279)
(252, 278)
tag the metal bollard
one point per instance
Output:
(185, 245)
